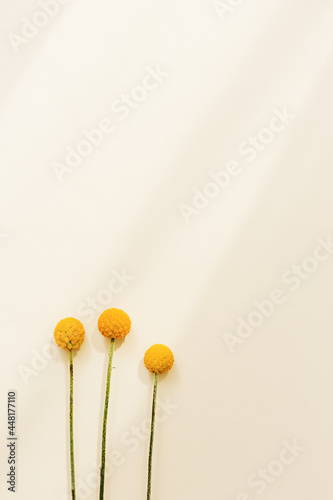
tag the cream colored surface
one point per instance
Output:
(223, 415)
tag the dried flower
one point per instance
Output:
(159, 359)
(114, 323)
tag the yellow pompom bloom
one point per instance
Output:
(159, 359)
(69, 333)
(114, 323)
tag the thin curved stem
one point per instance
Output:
(71, 431)
(152, 427)
(105, 420)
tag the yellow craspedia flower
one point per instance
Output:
(159, 359)
(114, 323)
(69, 333)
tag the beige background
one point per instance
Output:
(223, 415)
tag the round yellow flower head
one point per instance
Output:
(159, 359)
(69, 333)
(114, 323)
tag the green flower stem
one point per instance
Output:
(106, 406)
(153, 412)
(71, 377)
